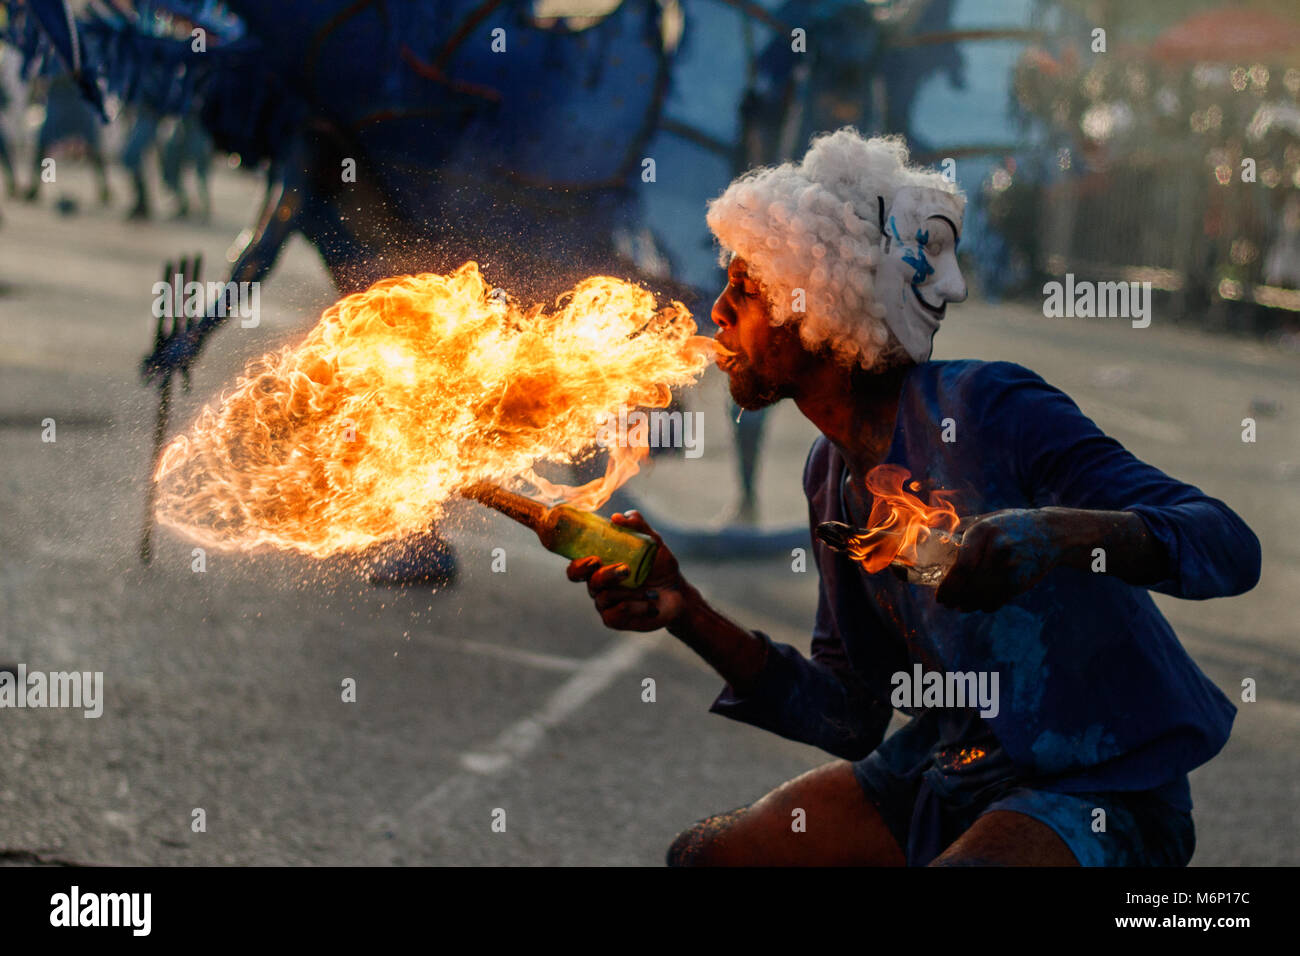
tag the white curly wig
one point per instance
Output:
(814, 225)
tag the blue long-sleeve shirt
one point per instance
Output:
(1096, 691)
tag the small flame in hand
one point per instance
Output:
(900, 522)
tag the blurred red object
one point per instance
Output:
(1228, 35)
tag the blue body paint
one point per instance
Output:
(917, 260)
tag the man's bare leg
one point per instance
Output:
(1007, 838)
(840, 828)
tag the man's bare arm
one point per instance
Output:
(1132, 553)
(1006, 553)
(736, 654)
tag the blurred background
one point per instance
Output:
(1165, 149)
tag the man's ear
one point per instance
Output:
(792, 331)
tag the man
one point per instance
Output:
(1100, 714)
(68, 117)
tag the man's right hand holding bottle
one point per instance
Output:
(668, 600)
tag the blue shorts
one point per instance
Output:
(928, 804)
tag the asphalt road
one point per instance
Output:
(502, 693)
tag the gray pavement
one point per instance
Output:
(223, 689)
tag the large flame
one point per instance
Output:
(405, 392)
(900, 522)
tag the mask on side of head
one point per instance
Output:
(918, 274)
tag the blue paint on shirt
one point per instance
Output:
(1097, 694)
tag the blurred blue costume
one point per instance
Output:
(540, 164)
(1100, 706)
(532, 163)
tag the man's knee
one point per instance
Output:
(1007, 838)
(698, 845)
(686, 849)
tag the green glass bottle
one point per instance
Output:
(574, 533)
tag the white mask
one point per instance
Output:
(918, 274)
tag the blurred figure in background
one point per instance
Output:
(143, 133)
(6, 159)
(68, 118)
(187, 145)
(1282, 263)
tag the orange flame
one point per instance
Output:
(899, 520)
(405, 392)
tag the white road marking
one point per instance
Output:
(434, 812)
(546, 662)
(519, 739)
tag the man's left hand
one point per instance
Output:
(1002, 554)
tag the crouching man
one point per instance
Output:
(840, 270)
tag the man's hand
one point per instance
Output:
(1002, 554)
(657, 603)
(668, 600)
(175, 353)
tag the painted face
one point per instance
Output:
(918, 274)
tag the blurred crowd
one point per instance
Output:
(1175, 161)
(48, 119)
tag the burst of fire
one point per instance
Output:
(900, 522)
(405, 392)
